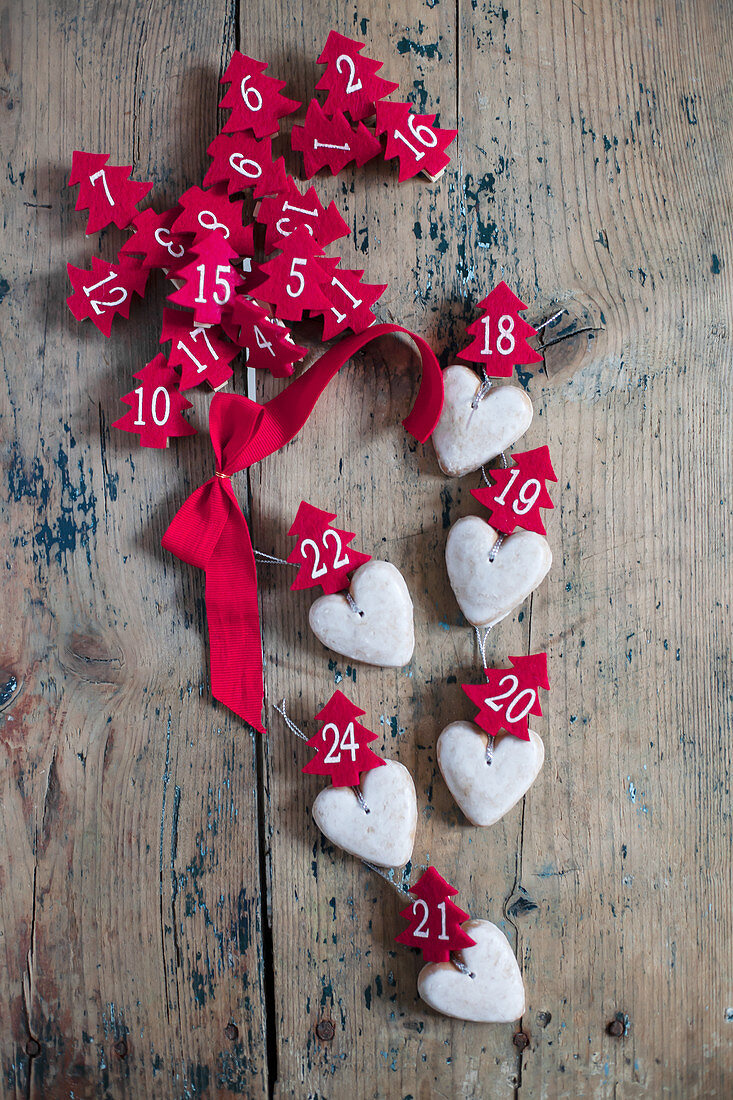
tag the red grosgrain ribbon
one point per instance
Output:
(210, 531)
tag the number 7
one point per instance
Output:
(93, 179)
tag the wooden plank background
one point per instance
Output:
(172, 925)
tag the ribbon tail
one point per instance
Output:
(210, 532)
(234, 623)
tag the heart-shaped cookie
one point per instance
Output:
(386, 834)
(487, 591)
(381, 632)
(494, 991)
(466, 438)
(485, 792)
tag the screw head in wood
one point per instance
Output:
(120, 1048)
(32, 1048)
(520, 1040)
(616, 1028)
(232, 1032)
(325, 1030)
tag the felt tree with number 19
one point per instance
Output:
(435, 921)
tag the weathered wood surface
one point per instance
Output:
(161, 877)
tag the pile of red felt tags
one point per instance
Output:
(238, 280)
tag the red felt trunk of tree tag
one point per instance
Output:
(509, 696)
(106, 290)
(105, 190)
(417, 143)
(435, 921)
(341, 744)
(255, 100)
(350, 78)
(500, 335)
(322, 551)
(156, 406)
(519, 492)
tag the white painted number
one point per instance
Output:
(511, 713)
(443, 935)
(421, 133)
(325, 145)
(422, 928)
(172, 249)
(98, 306)
(252, 98)
(347, 742)
(356, 302)
(527, 496)
(262, 342)
(159, 420)
(238, 161)
(353, 84)
(93, 179)
(221, 281)
(295, 274)
(213, 224)
(194, 335)
(505, 341)
(340, 558)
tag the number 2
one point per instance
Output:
(353, 84)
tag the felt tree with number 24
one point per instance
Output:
(341, 744)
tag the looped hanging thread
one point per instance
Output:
(360, 799)
(481, 392)
(496, 548)
(460, 965)
(353, 604)
(387, 878)
(270, 559)
(482, 640)
(288, 722)
(282, 710)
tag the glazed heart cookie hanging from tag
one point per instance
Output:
(477, 423)
(486, 786)
(373, 623)
(378, 827)
(488, 988)
(490, 578)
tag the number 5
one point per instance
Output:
(295, 274)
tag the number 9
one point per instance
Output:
(527, 496)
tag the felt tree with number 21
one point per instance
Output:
(435, 921)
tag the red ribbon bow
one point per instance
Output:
(210, 532)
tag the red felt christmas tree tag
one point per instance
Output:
(242, 163)
(414, 139)
(155, 243)
(322, 551)
(509, 696)
(519, 492)
(341, 744)
(351, 299)
(500, 335)
(350, 78)
(213, 211)
(331, 142)
(255, 100)
(203, 352)
(105, 190)
(269, 344)
(289, 210)
(105, 290)
(292, 281)
(208, 280)
(156, 406)
(435, 921)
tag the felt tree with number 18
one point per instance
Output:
(500, 335)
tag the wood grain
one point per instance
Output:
(162, 878)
